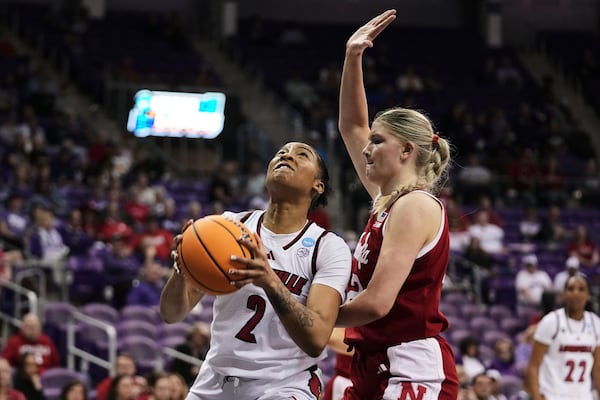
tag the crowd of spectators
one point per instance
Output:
(71, 193)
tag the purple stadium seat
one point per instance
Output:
(54, 379)
(510, 385)
(449, 309)
(87, 274)
(499, 312)
(54, 324)
(457, 335)
(145, 351)
(101, 311)
(130, 327)
(481, 324)
(470, 310)
(178, 330)
(513, 325)
(457, 322)
(141, 313)
(490, 337)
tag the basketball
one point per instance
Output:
(205, 252)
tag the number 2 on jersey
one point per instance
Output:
(257, 304)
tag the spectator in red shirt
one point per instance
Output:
(31, 339)
(156, 236)
(124, 366)
(582, 247)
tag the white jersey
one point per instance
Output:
(248, 339)
(566, 370)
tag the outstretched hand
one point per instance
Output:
(364, 36)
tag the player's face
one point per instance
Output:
(382, 154)
(576, 294)
(295, 164)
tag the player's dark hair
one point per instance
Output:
(321, 199)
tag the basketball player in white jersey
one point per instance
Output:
(267, 337)
(566, 353)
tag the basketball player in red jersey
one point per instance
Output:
(391, 315)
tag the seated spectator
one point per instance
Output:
(153, 235)
(124, 366)
(121, 267)
(495, 376)
(584, 248)
(170, 220)
(552, 183)
(13, 222)
(180, 386)
(504, 358)
(74, 390)
(490, 236)
(482, 386)
(571, 269)
(485, 203)
(474, 179)
(524, 175)
(6, 390)
(589, 188)
(45, 242)
(523, 349)
(531, 283)
(31, 339)
(122, 387)
(75, 235)
(27, 377)
(458, 225)
(409, 81)
(468, 356)
(530, 225)
(160, 387)
(196, 344)
(553, 232)
(146, 291)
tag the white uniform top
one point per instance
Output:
(566, 369)
(248, 339)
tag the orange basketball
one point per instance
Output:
(205, 253)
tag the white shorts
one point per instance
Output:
(305, 385)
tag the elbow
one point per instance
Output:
(314, 350)
(380, 309)
(169, 317)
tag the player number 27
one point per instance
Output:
(257, 304)
(571, 365)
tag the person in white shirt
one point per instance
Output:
(571, 269)
(531, 283)
(490, 236)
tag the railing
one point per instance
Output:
(182, 356)
(87, 357)
(18, 307)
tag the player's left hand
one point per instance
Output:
(255, 270)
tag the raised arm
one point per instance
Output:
(354, 113)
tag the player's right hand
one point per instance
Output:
(364, 36)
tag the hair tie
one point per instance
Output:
(435, 138)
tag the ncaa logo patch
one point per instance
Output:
(308, 242)
(302, 252)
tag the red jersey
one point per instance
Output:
(43, 349)
(415, 313)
